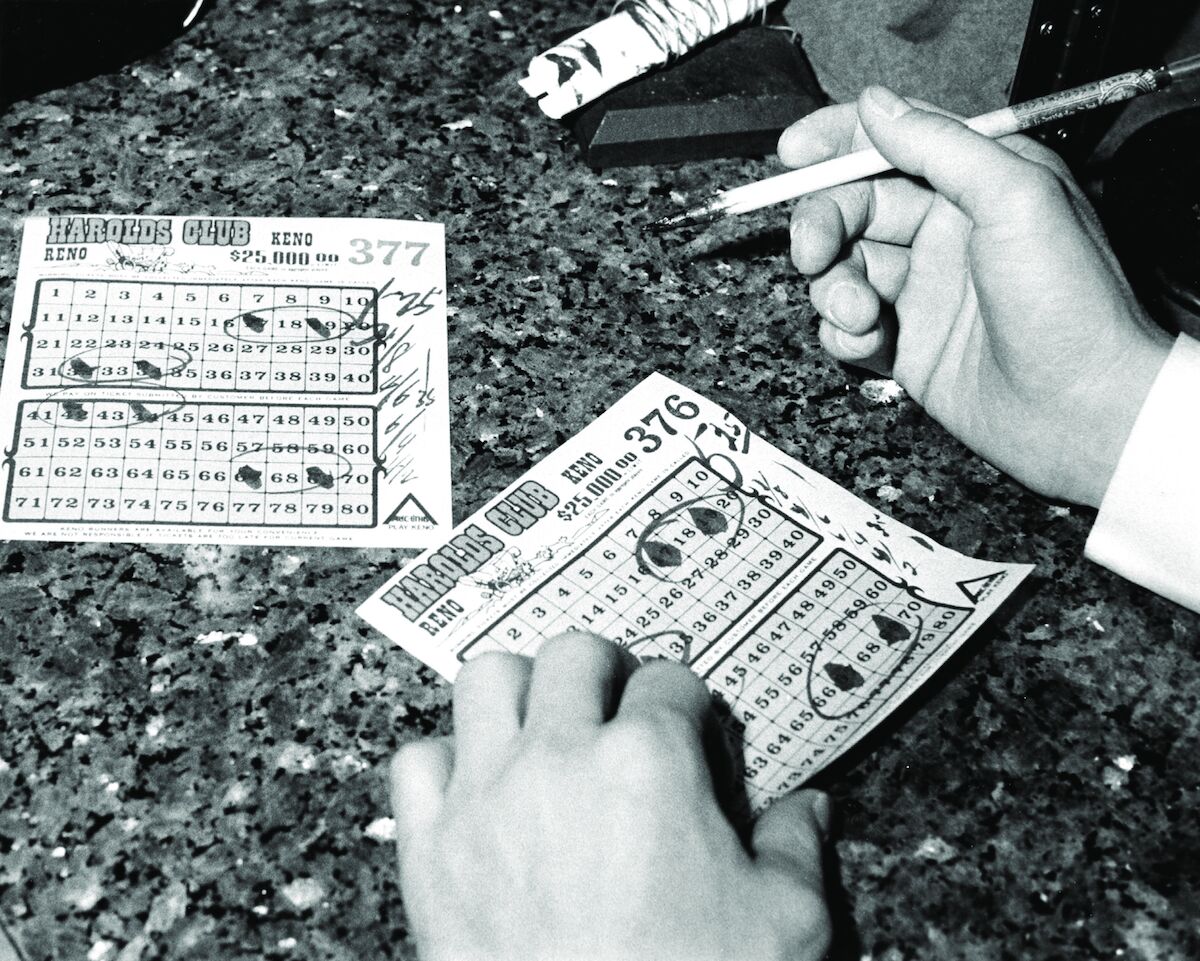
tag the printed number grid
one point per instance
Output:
(820, 665)
(198, 336)
(707, 557)
(131, 462)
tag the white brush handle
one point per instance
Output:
(842, 170)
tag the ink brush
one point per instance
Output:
(867, 163)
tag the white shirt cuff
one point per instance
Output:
(1148, 529)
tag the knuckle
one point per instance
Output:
(821, 286)
(673, 675)
(408, 756)
(638, 735)
(679, 690)
(925, 127)
(578, 643)
(672, 732)
(817, 935)
(1039, 153)
(851, 207)
(1038, 190)
(416, 761)
(809, 215)
(484, 668)
(548, 748)
(935, 119)
(830, 337)
(819, 229)
(815, 208)
(652, 744)
(804, 929)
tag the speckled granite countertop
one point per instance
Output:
(162, 797)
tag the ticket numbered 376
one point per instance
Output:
(669, 527)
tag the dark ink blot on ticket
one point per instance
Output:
(890, 630)
(249, 476)
(147, 369)
(254, 322)
(319, 477)
(663, 555)
(81, 368)
(142, 414)
(73, 410)
(708, 521)
(318, 325)
(844, 676)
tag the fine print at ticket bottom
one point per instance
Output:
(669, 527)
(228, 380)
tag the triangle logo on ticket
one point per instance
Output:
(669, 527)
(410, 511)
(232, 380)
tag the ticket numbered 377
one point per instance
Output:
(668, 526)
(228, 380)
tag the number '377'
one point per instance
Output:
(365, 251)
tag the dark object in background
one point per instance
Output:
(730, 98)
(1068, 43)
(51, 43)
(1151, 209)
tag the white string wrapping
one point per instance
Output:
(679, 26)
(639, 36)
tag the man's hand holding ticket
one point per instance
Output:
(670, 528)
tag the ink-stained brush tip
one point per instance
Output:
(704, 214)
(663, 224)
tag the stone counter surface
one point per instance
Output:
(192, 740)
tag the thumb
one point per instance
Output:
(420, 772)
(990, 183)
(791, 834)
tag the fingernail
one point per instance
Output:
(801, 234)
(883, 101)
(822, 809)
(844, 300)
(787, 138)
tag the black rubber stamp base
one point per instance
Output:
(730, 98)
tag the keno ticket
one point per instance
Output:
(666, 525)
(231, 380)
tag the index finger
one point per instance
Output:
(988, 181)
(832, 132)
(828, 132)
